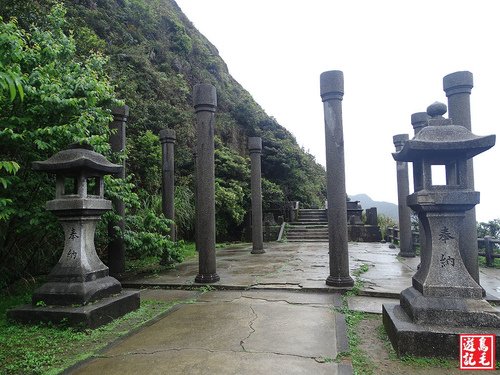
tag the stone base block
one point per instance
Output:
(65, 293)
(426, 340)
(340, 282)
(258, 251)
(364, 233)
(88, 316)
(206, 278)
(457, 312)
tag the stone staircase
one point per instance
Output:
(311, 226)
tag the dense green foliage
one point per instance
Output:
(64, 101)
(62, 68)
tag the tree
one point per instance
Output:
(49, 99)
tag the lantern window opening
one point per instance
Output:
(94, 186)
(70, 186)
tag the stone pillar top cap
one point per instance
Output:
(419, 117)
(458, 82)
(122, 110)
(399, 139)
(167, 135)
(255, 144)
(204, 94)
(332, 85)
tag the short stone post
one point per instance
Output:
(371, 216)
(488, 249)
(116, 246)
(332, 92)
(255, 149)
(167, 139)
(205, 104)
(405, 246)
(458, 87)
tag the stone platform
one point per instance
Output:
(270, 313)
(92, 315)
(427, 340)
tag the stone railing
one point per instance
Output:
(488, 244)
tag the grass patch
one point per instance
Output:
(48, 349)
(361, 364)
(482, 261)
(152, 264)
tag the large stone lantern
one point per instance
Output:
(444, 300)
(79, 278)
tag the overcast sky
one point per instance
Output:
(394, 55)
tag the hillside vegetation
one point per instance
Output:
(64, 65)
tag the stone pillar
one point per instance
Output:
(116, 246)
(405, 239)
(255, 149)
(418, 122)
(458, 87)
(332, 92)
(205, 104)
(167, 139)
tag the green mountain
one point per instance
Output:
(385, 208)
(156, 56)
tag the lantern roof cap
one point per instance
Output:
(440, 139)
(75, 158)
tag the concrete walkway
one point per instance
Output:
(269, 314)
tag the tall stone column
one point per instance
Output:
(405, 238)
(458, 87)
(332, 92)
(205, 104)
(418, 122)
(167, 139)
(116, 246)
(255, 149)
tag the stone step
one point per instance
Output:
(310, 230)
(322, 238)
(308, 223)
(307, 240)
(319, 218)
(312, 214)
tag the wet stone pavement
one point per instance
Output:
(270, 313)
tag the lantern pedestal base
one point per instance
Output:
(88, 316)
(427, 340)
(67, 293)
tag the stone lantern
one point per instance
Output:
(80, 277)
(444, 300)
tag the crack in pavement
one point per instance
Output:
(309, 304)
(250, 325)
(319, 359)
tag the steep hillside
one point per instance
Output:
(156, 55)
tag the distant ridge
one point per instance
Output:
(385, 208)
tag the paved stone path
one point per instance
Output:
(270, 313)
(234, 332)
